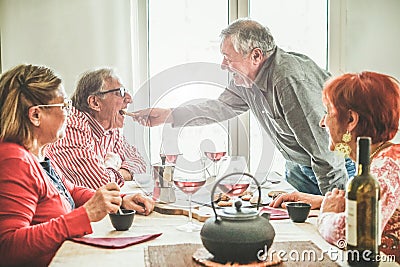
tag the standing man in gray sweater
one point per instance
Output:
(283, 90)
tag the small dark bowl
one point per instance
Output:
(298, 211)
(122, 222)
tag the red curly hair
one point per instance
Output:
(374, 96)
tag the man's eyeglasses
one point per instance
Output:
(121, 91)
(67, 105)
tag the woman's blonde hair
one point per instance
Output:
(22, 87)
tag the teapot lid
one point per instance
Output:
(238, 213)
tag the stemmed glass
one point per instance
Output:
(169, 155)
(170, 158)
(215, 156)
(234, 185)
(189, 185)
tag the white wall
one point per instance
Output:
(70, 36)
(372, 37)
(364, 35)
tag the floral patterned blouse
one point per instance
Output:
(386, 168)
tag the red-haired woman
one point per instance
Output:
(364, 104)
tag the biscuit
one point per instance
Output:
(221, 197)
(254, 199)
(246, 193)
(246, 197)
(223, 203)
(225, 197)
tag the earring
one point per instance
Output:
(344, 148)
(36, 123)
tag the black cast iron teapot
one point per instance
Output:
(237, 234)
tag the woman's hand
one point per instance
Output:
(106, 200)
(140, 203)
(279, 201)
(334, 201)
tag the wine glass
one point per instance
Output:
(168, 155)
(236, 184)
(189, 186)
(215, 157)
(170, 158)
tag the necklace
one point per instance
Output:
(379, 148)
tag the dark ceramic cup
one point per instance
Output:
(298, 211)
(122, 222)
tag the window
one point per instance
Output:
(179, 43)
(183, 37)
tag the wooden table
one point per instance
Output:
(74, 254)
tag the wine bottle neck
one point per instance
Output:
(364, 144)
(363, 169)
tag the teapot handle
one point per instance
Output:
(226, 176)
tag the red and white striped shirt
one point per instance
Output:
(81, 154)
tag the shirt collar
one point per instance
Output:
(98, 130)
(260, 78)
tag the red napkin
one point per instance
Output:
(279, 214)
(115, 242)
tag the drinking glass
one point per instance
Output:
(169, 155)
(189, 185)
(234, 185)
(215, 156)
(170, 158)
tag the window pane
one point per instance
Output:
(182, 32)
(299, 26)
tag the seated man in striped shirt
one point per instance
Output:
(94, 151)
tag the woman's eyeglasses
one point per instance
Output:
(121, 91)
(67, 105)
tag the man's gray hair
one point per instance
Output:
(90, 83)
(247, 34)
